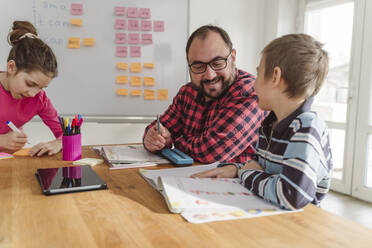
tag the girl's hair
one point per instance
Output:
(29, 52)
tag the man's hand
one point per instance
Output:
(155, 142)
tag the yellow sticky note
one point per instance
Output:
(135, 67)
(121, 79)
(135, 81)
(88, 41)
(76, 22)
(163, 94)
(148, 65)
(149, 81)
(149, 94)
(23, 152)
(122, 92)
(122, 66)
(74, 42)
(136, 92)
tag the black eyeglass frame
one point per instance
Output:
(210, 64)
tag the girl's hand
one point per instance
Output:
(49, 148)
(227, 171)
(13, 140)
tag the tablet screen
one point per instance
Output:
(69, 179)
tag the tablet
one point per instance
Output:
(69, 179)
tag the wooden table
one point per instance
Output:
(132, 214)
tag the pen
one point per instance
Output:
(61, 123)
(158, 121)
(14, 128)
(79, 124)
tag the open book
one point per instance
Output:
(201, 200)
(129, 156)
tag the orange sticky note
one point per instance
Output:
(163, 94)
(122, 92)
(122, 66)
(135, 81)
(23, 152)
(135, 67)
(76, 22)
(121, 79)
(149, 81)
(88, 41)
(136, 92)
(148, 65)
(74, 42)
(149, 94)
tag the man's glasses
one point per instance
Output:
(216, 64)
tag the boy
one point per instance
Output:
(293, 164)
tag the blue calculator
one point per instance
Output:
(177, 157)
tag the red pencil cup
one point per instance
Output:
(71, 147)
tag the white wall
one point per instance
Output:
(250, 24)
(243, 21)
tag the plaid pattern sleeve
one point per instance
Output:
(222, 129)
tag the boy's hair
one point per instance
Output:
(29, 52)
(202, 33)
(303, 63)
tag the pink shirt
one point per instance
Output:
(20, 111)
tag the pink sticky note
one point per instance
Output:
(158, 26)
(145, 13)
(132, 13)
(146, 39)
(119, 11)
(76, 9)
(121, 51)
(146, 25)
(133, 38)
(135, 51)
(133, 25)
(120, 24)
(120, 38)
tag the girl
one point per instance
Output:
(31, 65)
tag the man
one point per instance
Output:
(214, 117)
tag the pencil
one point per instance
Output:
(158, 121)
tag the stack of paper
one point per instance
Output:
(129, 156)
(4, 155)
(201, 200)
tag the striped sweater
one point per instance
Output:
(296, 160)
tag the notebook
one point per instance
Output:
(69, 179)
(186, 193)
(129, 156)
(201, 200)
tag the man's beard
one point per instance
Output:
(225, 84)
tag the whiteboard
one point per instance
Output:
(86, 82)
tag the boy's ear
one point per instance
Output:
(277, 75)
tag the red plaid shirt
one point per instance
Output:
(222, 129)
